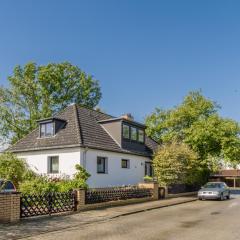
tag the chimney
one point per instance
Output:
(128, 116)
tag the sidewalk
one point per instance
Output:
(35, 226)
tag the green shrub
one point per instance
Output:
(14, 169)
(40, 185)
(148, 178)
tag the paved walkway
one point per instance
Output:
(37, 226)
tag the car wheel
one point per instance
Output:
(199, 198)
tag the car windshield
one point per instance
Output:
(213, 185)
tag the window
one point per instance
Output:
(125, 163)
(133, 133)
(148, 169)
(101, 165)
(53, 163)
(126, 131)
(140, 135)
(46, 129)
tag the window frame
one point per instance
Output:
(135, 140)
(43, 133)
(105, 170)
(127, 161)
(129, 133)
(143, 140)
(150, 169)
(50, 169)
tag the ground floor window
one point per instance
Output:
(148, 169)
(125, 163)
(101, 165)
(53, 164)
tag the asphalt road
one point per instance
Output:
(213, 220)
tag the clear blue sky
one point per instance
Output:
(145, 53)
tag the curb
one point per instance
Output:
(152, 208)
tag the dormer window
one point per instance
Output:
(126, 131)
(47, 129)
(132, 133)
(140, 135)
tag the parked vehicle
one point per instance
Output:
(6, 186)
(214, 190)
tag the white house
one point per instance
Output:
(115, 151)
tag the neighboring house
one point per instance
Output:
(115, 151)
(230, 176)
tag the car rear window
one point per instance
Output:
(213, 185)
(9, 186)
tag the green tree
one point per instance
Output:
(176, 163)
(14, 169)
(197, 123)
(36, 92)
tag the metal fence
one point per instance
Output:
(47, 204)
(182, 188)
(114, 194)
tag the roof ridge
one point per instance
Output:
(97, 111)
(78, 125)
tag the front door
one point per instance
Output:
(148, 169)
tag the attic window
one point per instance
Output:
(46, 129)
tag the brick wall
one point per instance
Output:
(9, 207)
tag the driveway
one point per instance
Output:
(195, 220)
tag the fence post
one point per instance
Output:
(154, 186)
(155, 191)
(80, 198)
(166, 191)
(9, 207)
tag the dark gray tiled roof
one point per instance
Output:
(82, 129)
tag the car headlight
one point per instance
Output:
(215, 193)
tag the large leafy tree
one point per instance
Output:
(36, 92)
(197, 123)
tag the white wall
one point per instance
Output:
(69, 157)
(38, 160)
(116, 175)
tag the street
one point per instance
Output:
(196, 220)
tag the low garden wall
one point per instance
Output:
(14, 206)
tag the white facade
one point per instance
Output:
(38, 160)
(69, 157)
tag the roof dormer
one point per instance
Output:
(49, 127)
(125, 131)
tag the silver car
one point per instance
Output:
(214, 190)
